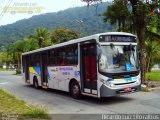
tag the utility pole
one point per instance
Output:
(79, 25)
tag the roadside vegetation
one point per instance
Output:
(4, 69)
(42, 37)
(153, 76)
(152, 81)
(12, 107)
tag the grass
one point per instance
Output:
(10, 105)
(2, 69)
(154, 75)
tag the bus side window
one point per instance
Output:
(52, 57)
(76, 55)
(34, 59)
(61, 56)
(72, 55)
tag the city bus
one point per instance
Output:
(99, 65)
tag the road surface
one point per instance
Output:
(62, 103)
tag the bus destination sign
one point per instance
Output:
(116, 38)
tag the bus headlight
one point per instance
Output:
(112, 85)
(106, 82)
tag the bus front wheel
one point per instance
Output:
(75, 90)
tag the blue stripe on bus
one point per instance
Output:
(37, 69)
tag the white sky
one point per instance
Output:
(48, 6)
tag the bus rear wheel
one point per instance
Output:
(75, 90)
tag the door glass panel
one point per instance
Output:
(44, 68)
(89, 66)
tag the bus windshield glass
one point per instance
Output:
(118, 58)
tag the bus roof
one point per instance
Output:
(95, 36)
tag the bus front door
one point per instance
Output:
(44, 71)
(89, 68)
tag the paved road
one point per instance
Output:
(62, 103)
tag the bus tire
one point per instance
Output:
(35, 82)
(75, 90)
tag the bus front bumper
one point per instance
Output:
(107, 92)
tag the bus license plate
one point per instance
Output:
(127, 89)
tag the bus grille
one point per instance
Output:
(125, 83)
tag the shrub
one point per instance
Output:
(18, 71)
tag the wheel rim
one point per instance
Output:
(75, 89)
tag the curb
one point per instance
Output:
(155, 88)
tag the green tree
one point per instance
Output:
(42, 36)
(14, 50)
(152, 42)
(9, 56)
(140, 11)
(30, 44)
(152, 49)
(18, 49)
(117, 13)
(5, 58)
(156, 58)
(63, 34)
(20, 46)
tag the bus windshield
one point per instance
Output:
(118, 58)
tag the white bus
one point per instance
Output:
(100, 65)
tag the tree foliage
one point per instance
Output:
(152, 50)
(13, 51)
(138, 13)
(117, 13)
(63, 34)
(42, 36)
(17, 48)
(30, 44)
(5, 58)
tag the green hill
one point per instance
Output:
(91, 23)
